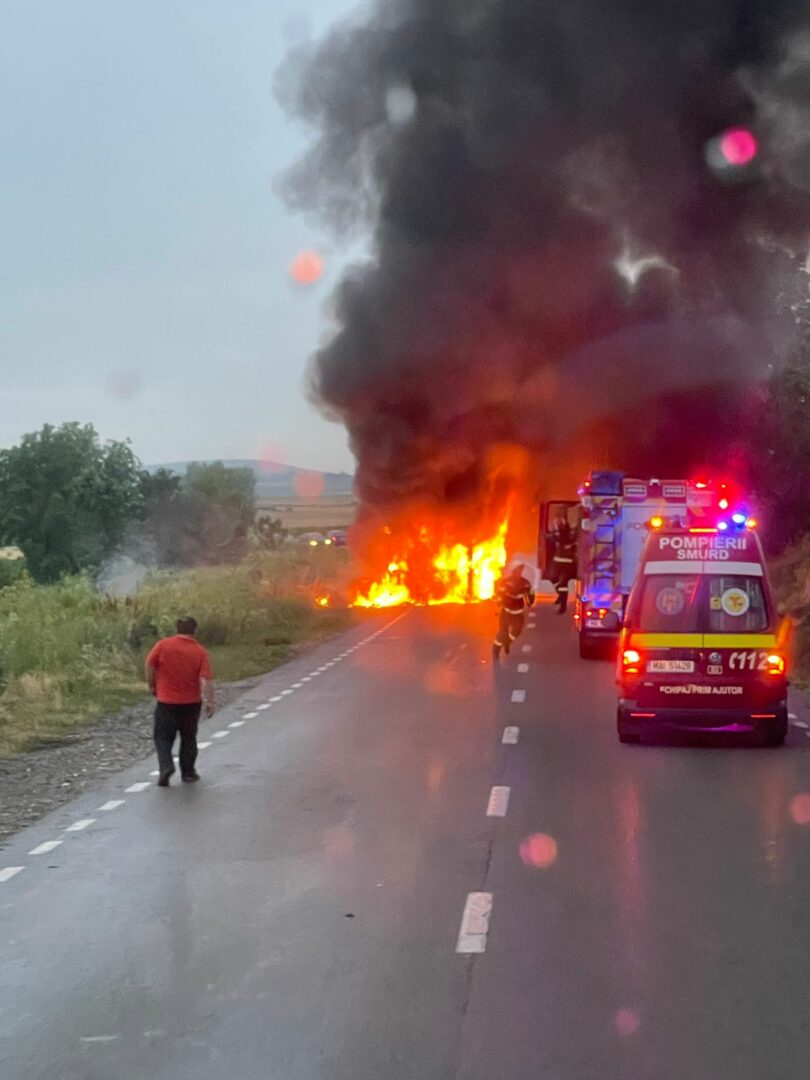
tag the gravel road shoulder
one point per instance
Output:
(34, 784)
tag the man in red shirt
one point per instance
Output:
(179, 674)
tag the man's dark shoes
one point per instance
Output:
(189, 777)
(163, 779)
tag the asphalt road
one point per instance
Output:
(643, 912)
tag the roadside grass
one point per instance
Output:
(790, 575)
(69, 655)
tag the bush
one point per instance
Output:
(68, 652)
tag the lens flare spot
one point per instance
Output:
(539, 850)
(800, 809)
(271, 459)
(308, 485)
(739, 146)
(307, 268)
(124, 385)
(627, 1021)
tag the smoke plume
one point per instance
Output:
(560, 259)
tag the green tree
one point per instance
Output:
(781, 457)
(67, 499)
(223, 500)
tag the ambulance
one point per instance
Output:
(702, 647)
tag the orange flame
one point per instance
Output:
(456, 574)
(322, 601)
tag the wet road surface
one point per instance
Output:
(624, 912)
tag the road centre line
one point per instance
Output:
(518, 697)
(472, 936)
(250, 715)
(526, 648)
(134, 788)
(284, 693)
(43, 849)
(297, 685)
(273, 700)
(498, 802)
(220, 734)
(113, 804)
(78, 826)
(237, 723)
(264, 705)
(522, 669)
(8, 872)
(203, 745)
(510, 735)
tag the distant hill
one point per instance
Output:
(275, 481)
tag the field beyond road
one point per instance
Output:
(317, 514)
(70, 654)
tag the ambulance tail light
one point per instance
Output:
(776, 664)
(631, 661)
(596, 613)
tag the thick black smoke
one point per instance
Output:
(555, 262)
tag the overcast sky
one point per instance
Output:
(143, 255)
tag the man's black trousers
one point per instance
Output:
(169, 721)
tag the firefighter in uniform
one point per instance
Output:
(515, 597)
(565, 562)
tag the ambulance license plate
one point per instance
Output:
(686, 666)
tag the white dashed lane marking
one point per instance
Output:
(792, 716)
(475, 923)
(510, 735)
(498, 802)
(43, 849)
(518, 697)
(79, 826)
(526, 648)
(800, 724)
(472, 937)
(522, 669)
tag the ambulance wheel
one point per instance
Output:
(625, 734)
(776, 733)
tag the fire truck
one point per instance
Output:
(611, 520)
